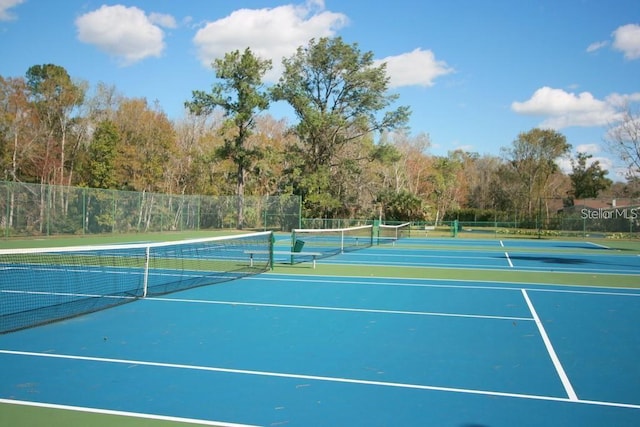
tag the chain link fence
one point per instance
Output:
(581, 220)
(32, 209)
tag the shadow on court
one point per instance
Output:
(551, 259)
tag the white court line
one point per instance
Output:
(501, 244)
(123, 413)
(415, 256)
(67, 294)
(599, 245)
(506, 254)
(321, 378)
(344, 309)
(443, 283)
(552, 353)
(483, 267)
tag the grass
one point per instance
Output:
(479, 275)
(18, 415)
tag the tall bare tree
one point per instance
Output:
(623, 139)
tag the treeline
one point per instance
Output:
(348, 155)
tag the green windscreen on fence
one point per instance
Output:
(33, 209)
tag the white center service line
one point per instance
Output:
(552, 353)
(506, 254)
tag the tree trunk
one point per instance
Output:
(240, 195)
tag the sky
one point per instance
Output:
(475, 73)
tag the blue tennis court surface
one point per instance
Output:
(301, 350)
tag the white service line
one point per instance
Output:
(343, 309)
(501, 244)
(572, 398)
(552, 353)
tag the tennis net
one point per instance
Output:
(331, 241)
(39, 286)
(387, 232)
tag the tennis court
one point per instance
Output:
(442, 332)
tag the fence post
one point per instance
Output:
(7, 212)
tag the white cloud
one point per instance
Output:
(5, 5)
(126, 33)
(469, 148)
(627, 40)
(561, 109)
(163, 20)
(605, 162)
(270, 33)
(565, 109)
(597, 46)
(588, 148)
(276, 33)
(623, 100)
(564, 163)
(416, 68)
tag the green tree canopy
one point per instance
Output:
(340, 97)
(401, 206)
(587, 181)
(54, 96)
(239, 93)
(100, 170)
(532, 160)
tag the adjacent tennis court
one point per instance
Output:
(415, 331)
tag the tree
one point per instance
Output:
(146, 145)
(445, 180)
(273, 137)
(101, 156)
(16, 130)
(587, 181)
(406, 164)
(340, 97)
(401, 206)
(16, 137)
(54, 96)
(532, 160)
(239, 94)
(624, 140)
(483, 177)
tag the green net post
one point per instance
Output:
(454, 228)
(271, 245)
(372, 233)
(376, 230)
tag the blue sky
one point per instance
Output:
(475, 73)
